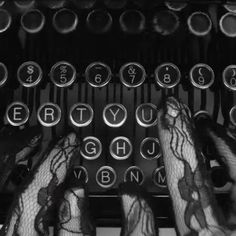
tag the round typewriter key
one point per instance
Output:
(121, 148)
(65, 21)
(176, 6)
(24, 3)
(106, 177)
(3, 74)
(98, 74)
(132, 22)
(114, 115)
(17, 113)
(229, 77)
(165, 22)
(232, 115)
(134, 174)
(228, 24)
(99, 21)
(167, 75)
(5, 20)
(81, 114)
(199, 24)
(230, 7)
(81, 174)
(202, 76)
(146, 115)
(201, 116)
(54, 4)
(150, 148)
(159, 177)
(132, 74)
(49, 114)
(91, 148)
(84, 4)
(29, 74)
(33, 21)
(63, 74)
(115, 4)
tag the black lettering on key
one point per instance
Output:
(106, 177)
(114, 115)
(81, 114)
(91, 148)
(134, 174)
(159, 177)
(150, 148)
(121, 148)
(146, 115)
(17, 113)
(49, 114)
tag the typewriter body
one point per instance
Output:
(102, 68)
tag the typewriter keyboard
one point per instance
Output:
(102, 68)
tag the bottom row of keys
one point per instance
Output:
(106, 176)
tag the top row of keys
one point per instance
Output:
(132, 21)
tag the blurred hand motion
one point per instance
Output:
(195, 208)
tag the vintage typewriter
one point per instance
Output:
(101, 68)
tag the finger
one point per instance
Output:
(225, 145)
(16, 147)
(192, 196)
(74, 218)
(138, 218)
(28, 214)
